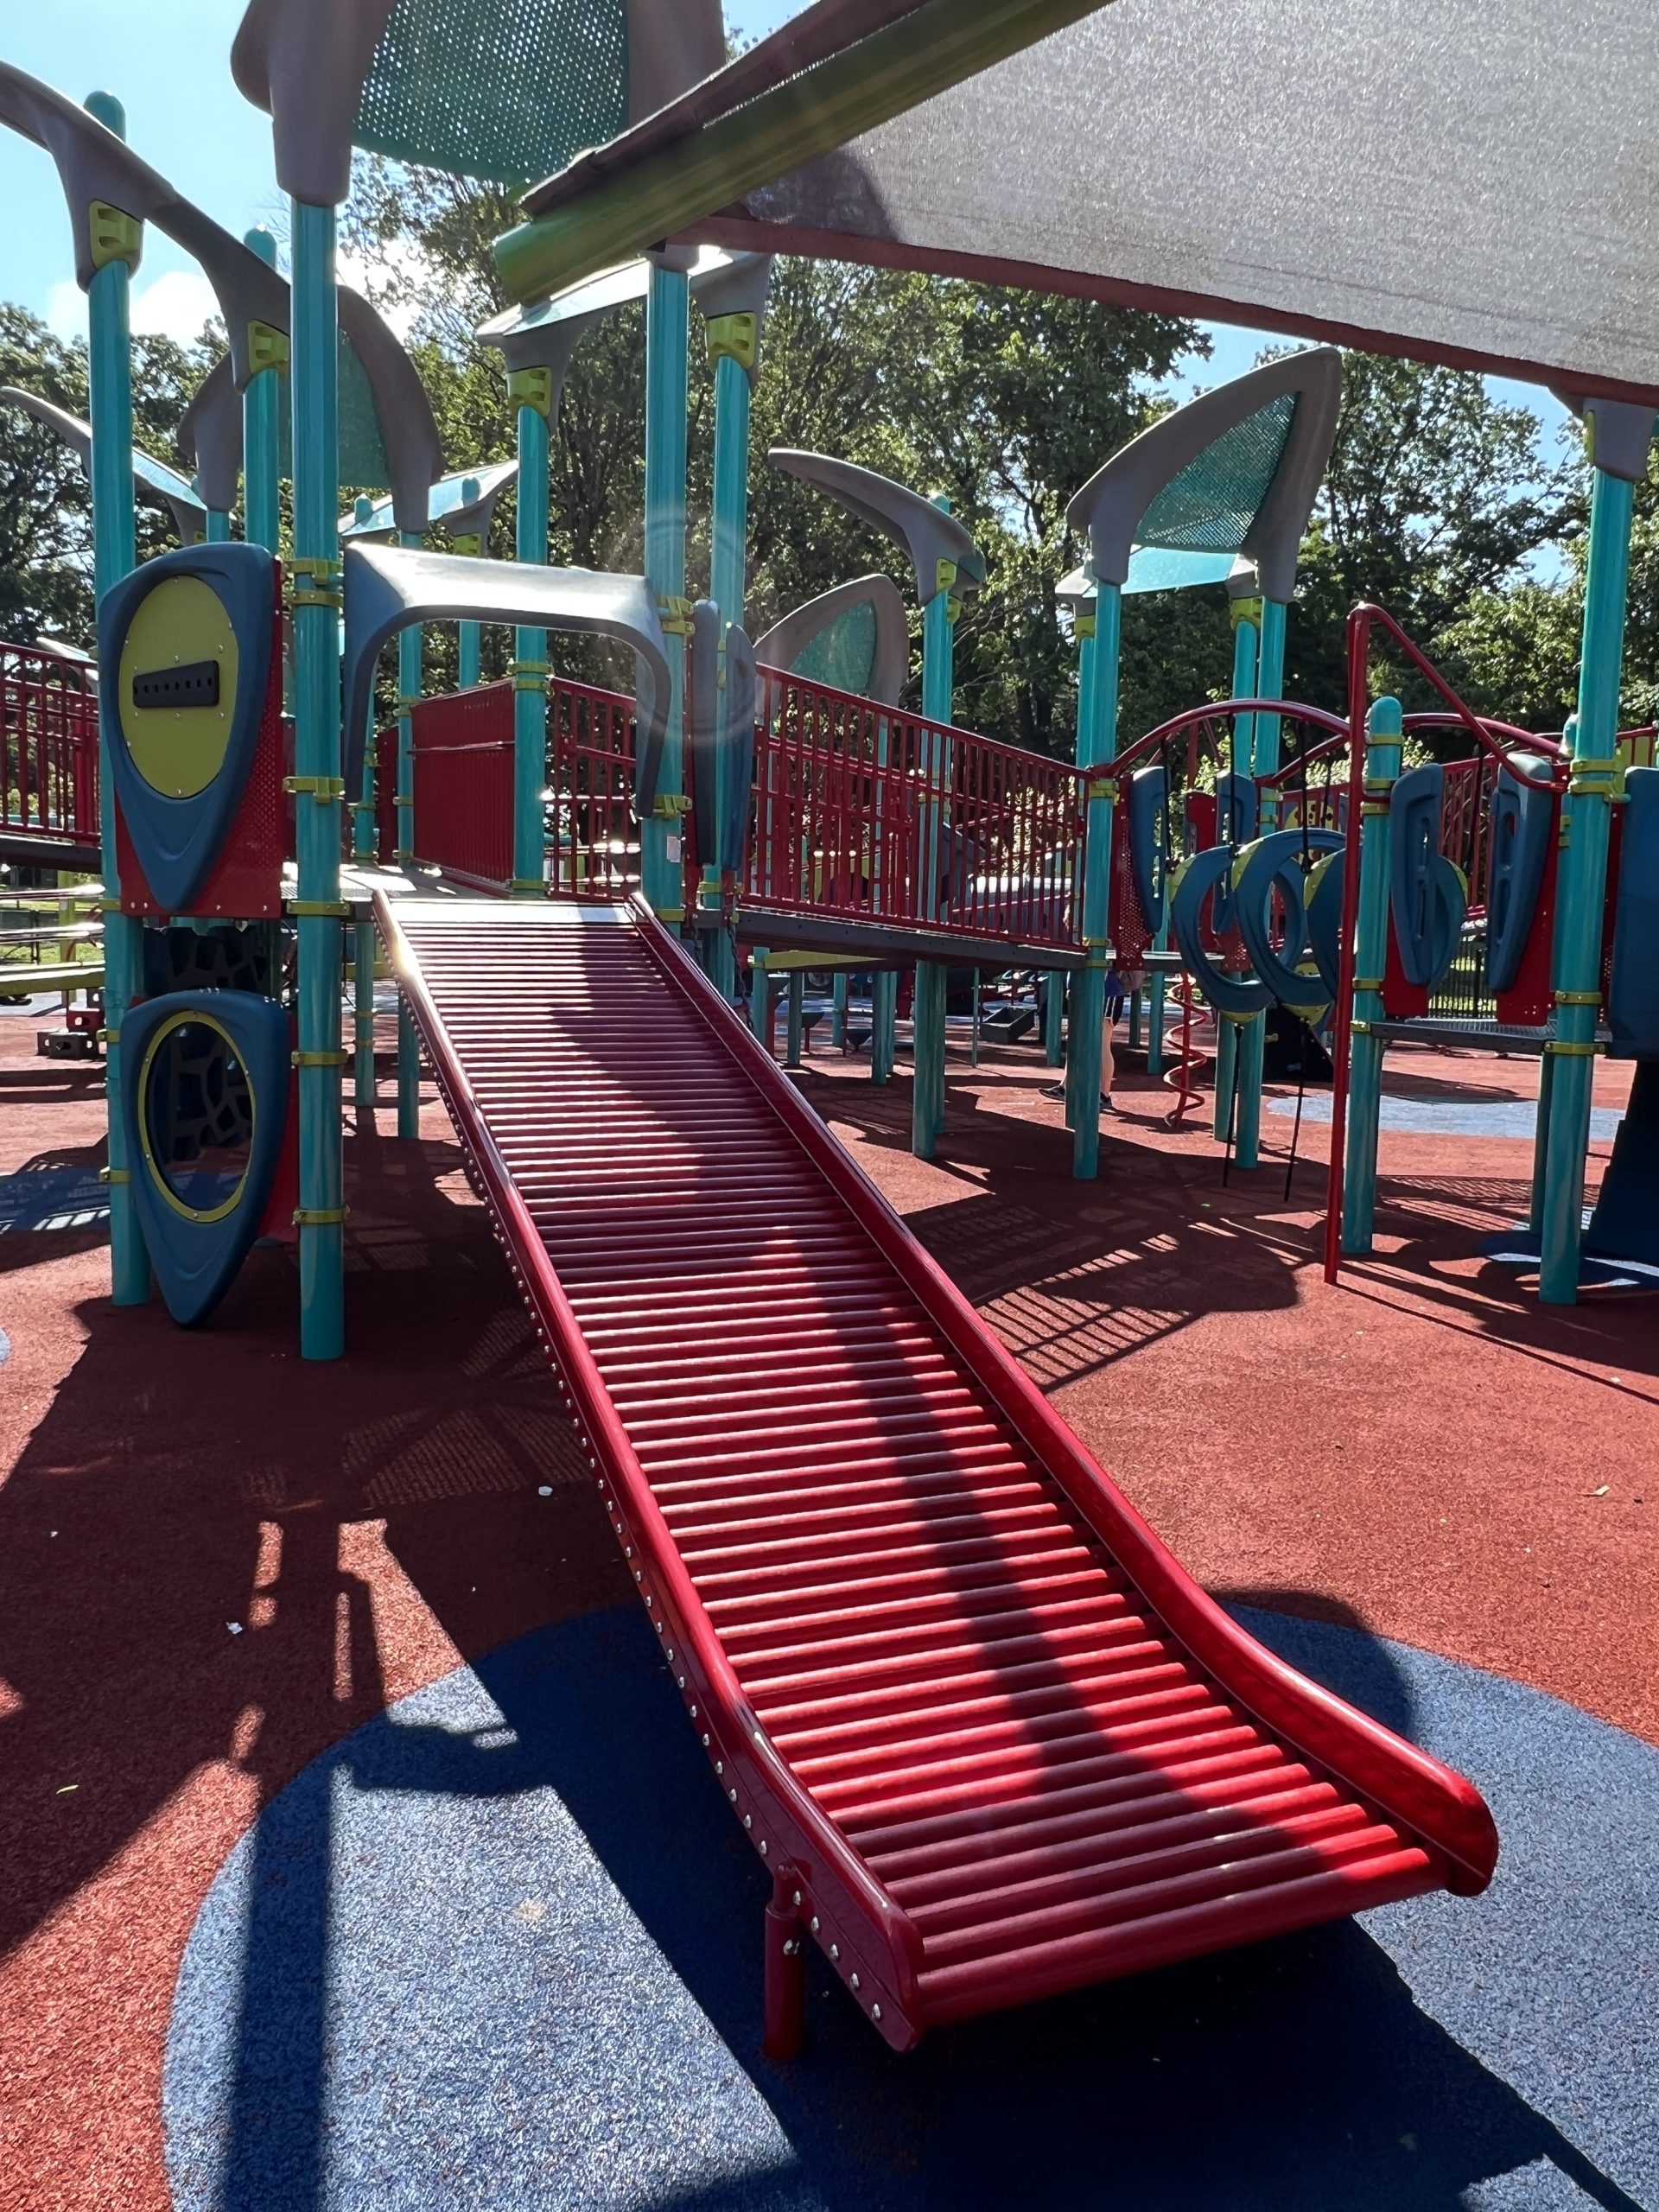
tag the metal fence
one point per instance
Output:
(878, 816)
(49, 745)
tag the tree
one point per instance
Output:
(1436, 498)
(46, 513)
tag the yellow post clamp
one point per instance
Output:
(313, 581)
(668, 806)
(113, 235)
(109, 1037)
(1577, 998)
(525, 883)
(1562, 1048)
(1101, 787)
(1367, 983)
(1361, 1029)
(318, 909)
(268, 348)
(324, 789)
(1595, 787)
(945, 575)
(1378, 783)
(1245, 610)
(363, 806)
(113, 1175)
(671, 914)
(675, 615)
(469, 544)
(532, 388)
(735, 337)
(1374, 806)
(321, 1217)
(318, 1059)
(403, 853)
(1083, 625)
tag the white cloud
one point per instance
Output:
(65, 310)
(173, 304)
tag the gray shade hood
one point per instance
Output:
(785, 643)
(160, 486)
(927, 533)
(389, 586)
(1112, 504)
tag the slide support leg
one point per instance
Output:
(785, 1972)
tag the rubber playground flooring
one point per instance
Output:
(354, 1853)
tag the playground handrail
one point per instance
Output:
(878, 815)
(48, 744)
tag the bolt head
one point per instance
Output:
(876, 2012)
(815, 1923)
(731, 1794)
(748, 1820)
(763, 1843)
(835, 1950)
(854, 1981)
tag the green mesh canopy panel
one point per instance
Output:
(503, 89)
(843, 656)
(363, 463)
(1209, 506)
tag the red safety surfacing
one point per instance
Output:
(966, 1704)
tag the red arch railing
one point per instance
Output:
(49, 745)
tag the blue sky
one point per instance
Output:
(168, 61)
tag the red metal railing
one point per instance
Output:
(462, 758)
(879, 816)
(49, 745)
(592, 839)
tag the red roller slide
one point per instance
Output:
(992, 1742)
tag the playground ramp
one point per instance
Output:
(990, 1739)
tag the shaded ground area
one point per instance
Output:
(558, 1925)
(215, 1562)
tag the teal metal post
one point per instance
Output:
(760, 996)
(668, 323)
(795, 1029)
(731, 349)
(469, 636)
(1096, 749)
(1581, 887)
(1382, 728)
(1268, 683)
(1231, 1093)
(838, 990)
(219, 527)
(1054, 1008)
(410, 654)
(114, 553)
(533, 390)
(262, 423)
(318, 790)
(928, 1010)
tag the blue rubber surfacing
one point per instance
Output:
(501, 1949)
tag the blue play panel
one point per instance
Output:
(1454, 1117)
(501, 1949)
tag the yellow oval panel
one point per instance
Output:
(179, 750)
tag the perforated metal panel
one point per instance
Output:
(843, 656)
(363, 466)
(1209, 506)
(502, 92)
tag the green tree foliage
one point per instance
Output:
(1436, 499)
(45, 531)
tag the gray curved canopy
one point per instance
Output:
(927, 533)
(94, 164)
(153, 480)
(389, 586)
(209, 438)
(821, 622)
(1234, 471)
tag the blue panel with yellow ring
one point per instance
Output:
(184, 656)
(206, 1112)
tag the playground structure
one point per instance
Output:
(936, 1575)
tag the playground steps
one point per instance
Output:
(992, 1741)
